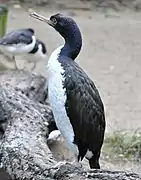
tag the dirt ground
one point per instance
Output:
(111, 55)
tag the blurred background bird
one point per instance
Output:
(23, 42)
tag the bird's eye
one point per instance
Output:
(54, 20)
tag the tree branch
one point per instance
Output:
(24, 144)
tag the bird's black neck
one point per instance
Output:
(73, 44)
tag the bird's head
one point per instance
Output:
(66, 26)
(68, 29)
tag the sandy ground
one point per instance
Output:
(111, 55)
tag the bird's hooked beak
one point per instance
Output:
(41, 18)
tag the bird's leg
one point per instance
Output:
(13, 58)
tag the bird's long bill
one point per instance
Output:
(41, 18)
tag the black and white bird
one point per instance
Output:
(23, 42)
(75, 101)
(38, 53)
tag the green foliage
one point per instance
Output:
(125, 146)
(3, 19)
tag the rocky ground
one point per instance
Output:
(110, 55)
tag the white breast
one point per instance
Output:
(57, 99)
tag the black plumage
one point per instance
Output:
(84, 109)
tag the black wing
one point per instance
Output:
(84, 108)
(17, 36)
